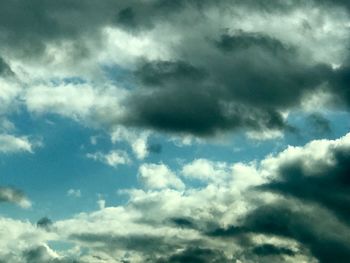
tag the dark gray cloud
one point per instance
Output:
(227, 82)
(268, 250)
(38, 254)
(182, 222)
(4, 68)
(283, 220)
(26, 28)
(147, 244)
(41, 254)
(218, 80)
(45, 223)
(196, 255)
(340, 84)
(328, 186)
(313, 202)
(231, 89)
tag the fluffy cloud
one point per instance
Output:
(158, 176)
(136, 139)
(272, 211)
(206, 170)
(259, 211)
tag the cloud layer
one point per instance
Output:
(290, 207)
(228, 71)
(184, 69)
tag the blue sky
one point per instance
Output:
(127, 135)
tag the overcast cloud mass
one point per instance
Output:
(177, 131)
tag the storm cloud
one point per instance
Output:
(221, 75)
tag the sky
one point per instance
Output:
(180, 131)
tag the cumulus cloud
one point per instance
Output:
(276, 210)
(203, 169)
(259, 212)
(158, 176)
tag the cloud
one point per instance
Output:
(11, 195)
(140, 148)
(158, 176)
(215, 77)
(12, 144)
(21, 237)
(274, 210)
(300, 177)
(135, 138)
(113, 158)
(5, 69)
(206, 170)
(78, 101)
(315, 177)
(240, 66)
(268, 249)
(196, 254)
(245, 80)
(254, 212)
(74, 192)
(44, 223)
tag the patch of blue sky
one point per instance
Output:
(119, 76)
(61, 163)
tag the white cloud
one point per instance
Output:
(206, 170)
(20, 236)
(12, 144)
(136, 139)
(265, 135)
(113, 158)
(74, 192)
(124, 48)
(101, 203)
(151, 213)
(78, 101)
(140, 148)
(9, 93)
(159, 176)
(14, 196)
(314, 156)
